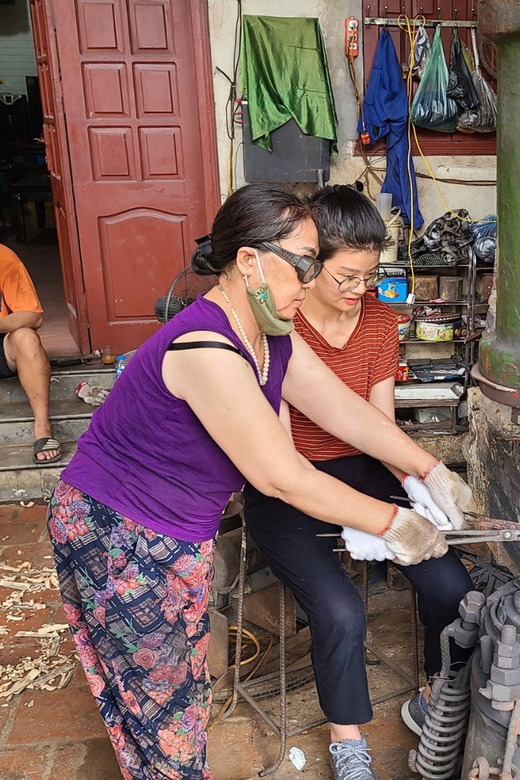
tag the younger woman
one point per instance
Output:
(356, 336)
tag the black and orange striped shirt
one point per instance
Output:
(370, 356)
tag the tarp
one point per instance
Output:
(385, 116)
(284, 75)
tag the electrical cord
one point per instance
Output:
(256, 643)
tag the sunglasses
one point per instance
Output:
(307, 267)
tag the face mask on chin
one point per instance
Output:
(263, 307)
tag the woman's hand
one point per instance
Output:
(412, 538)
(363, 546)
(450, 493)
(423, 503)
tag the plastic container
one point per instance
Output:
(437, 328)
(120, 365)
(393, 289)
(403, 326)
(394, 225)
(384, 204)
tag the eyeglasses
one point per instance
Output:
(307, 267)
(350, 282)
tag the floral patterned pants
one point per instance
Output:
(136, 603)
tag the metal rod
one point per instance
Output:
(282, 730)
(382, 21)
(387, 662)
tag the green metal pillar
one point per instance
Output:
(499, 355)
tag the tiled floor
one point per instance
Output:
(59, 735)
(40, 255)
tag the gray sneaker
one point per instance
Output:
(413, 712)
(351, 760)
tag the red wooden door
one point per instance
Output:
(57, 162)
(136, 81)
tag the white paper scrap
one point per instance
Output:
(297, 757)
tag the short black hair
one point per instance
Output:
(346, 220)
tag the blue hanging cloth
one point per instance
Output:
(385, 114)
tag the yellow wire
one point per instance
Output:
(256, 643)
(249, 676)
(411, 32)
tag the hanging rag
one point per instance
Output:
(284, 75)
(385, 115)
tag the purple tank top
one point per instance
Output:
(147, 456)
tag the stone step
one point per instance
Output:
(63, 382)
(22, 480)
(19, 457)
(69, 417)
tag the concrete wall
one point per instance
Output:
(17, 59)
(493, 457)
(345, 167)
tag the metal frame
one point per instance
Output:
(240, 689)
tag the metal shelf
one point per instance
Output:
(432, 303)
(425, 341)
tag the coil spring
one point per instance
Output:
(445, 722)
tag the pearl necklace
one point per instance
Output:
(262, 375)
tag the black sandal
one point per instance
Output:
(45, 444)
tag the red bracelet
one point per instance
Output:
(391, 521)
(430, 471)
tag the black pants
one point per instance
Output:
(334, 608)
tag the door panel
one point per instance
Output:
(57, 162)
(142, 149)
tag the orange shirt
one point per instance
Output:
(370, 356)
(16, 288)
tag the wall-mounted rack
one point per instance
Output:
(383, 21)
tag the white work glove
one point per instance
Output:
(450, 493)
(363, 546)
(91, 394)
(423, 503)
(413, 539)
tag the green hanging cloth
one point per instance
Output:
(284, 75)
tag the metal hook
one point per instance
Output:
(455, 10)
(386, 11)
(421, 10)
(472, 13)
(438, 13)
(368, 10)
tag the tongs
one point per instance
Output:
(489, 529)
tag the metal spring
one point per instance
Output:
(445, 721)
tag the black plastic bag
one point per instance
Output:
(431, 107)
(460, 84)
(482, 119)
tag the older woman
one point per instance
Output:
(195, 415)
(356, 336)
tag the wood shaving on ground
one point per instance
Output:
(49, 669)
(45, 672)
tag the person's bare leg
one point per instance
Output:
(337, 732)
(25, 354)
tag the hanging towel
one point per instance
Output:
(284, 75)
(385, 115)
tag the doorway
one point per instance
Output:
(27, 224)
(130, 147)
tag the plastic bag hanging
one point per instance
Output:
(482, 119)
(431, 107)
(460, 84)
(421, 52)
